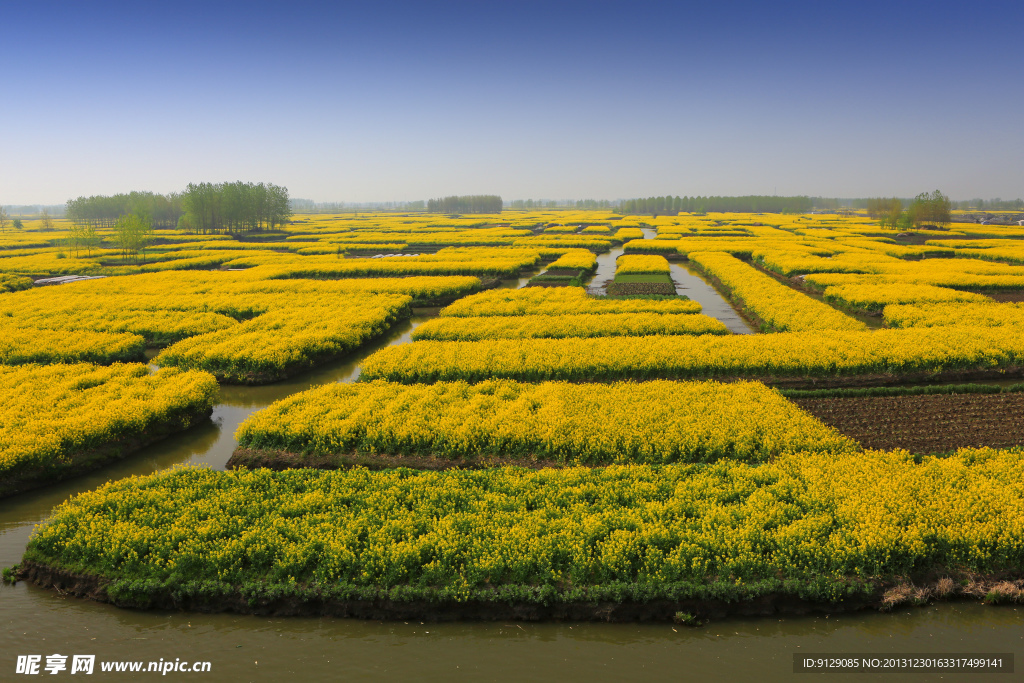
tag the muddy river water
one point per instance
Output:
(251, 648)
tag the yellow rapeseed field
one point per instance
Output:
(582, 259)
(781, 307)
(286, 340)
(453, 328)
(631, 264)
(559, 301)
(786, 354)
(50, 414)
(960, 313)
(806, 523)
(652, 422)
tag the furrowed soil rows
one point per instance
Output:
(925, 424)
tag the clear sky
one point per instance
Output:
(369, 101)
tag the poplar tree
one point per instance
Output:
(132, 233)
(931, 209)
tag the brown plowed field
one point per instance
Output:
(925, 424)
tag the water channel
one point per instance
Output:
(252, 648)
(688, 283)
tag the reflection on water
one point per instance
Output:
(253, 648)
(605, 272)
(687, 282)
(691, 284)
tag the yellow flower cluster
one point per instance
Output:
(559, 301)
(652, 422)
(48, 263)
(527, 257)
(567, 241)
(433, 238)
(26, 344)
(13, 283)
(51, 414)
(633, 264)
(626, 234)
(1007, 253)
(286, 340)
(964, 314)
(297, 266)
(348, 247)
(452, 328)
(423, 288)
(940, 272)
(101, 320)
(786, 354)
(787, 263)
(156, 326)
(779, 306)
(12, 240)
(582, 259)
(877, 297)
(818, 519)
(646, 246)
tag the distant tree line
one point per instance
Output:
(827, 203)
(591, 204)
(162, 211)
(234, 207)
(310, 206)
(522, 204)
(470, 203)
(996, 204)
(668, 205)
(203, 208)
(927, 209)
(55, 210)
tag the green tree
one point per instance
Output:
(133, 233)
(3, 219)
(188, 223)
(475, 203)
(905, 221)
(885, 209)
(931, 209)
(888, 211)
(47, 221)
(75, 239)
(17, 224)
(82, 237)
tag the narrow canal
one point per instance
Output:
(687, 283)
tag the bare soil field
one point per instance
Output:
(925, 424)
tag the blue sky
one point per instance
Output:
(400, 101)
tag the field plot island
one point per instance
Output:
(543, 423)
